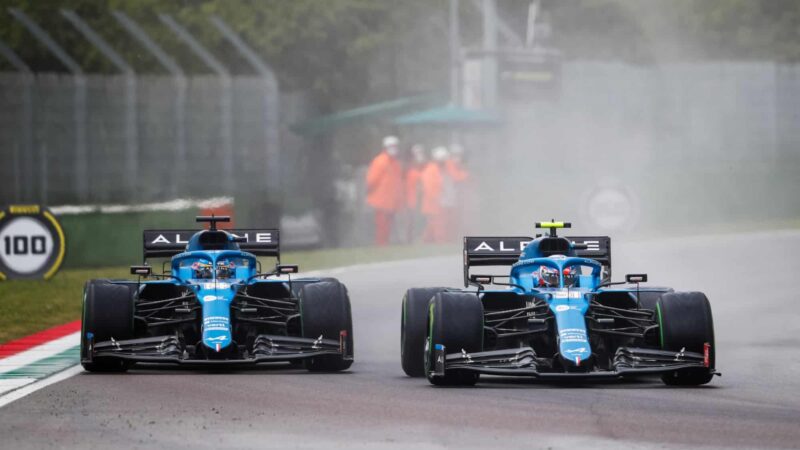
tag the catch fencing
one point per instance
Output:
(702, 138)
(57, 149)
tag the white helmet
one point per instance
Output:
(440, 153)
(390, 141)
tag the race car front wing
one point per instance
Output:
(627, 362)
(169, 350)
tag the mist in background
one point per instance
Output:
(667, 116)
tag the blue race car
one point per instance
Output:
(214, 306)
(557, 315)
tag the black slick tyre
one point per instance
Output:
(325, 311)
(107, 313)
(455, 320)
(648, 299)
(685, 322)
(413, 329)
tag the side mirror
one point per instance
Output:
(142, 271)
(285, 269)
(481, 279)
(636, 278)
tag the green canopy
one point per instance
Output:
(449, 115)
(376, 110)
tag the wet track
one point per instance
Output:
(749, 279)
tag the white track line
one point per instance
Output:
(39, 352)
(33, 387)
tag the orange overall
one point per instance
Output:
(432, 187)
(384, 193)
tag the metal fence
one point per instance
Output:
(666, 132)
(40, 139)
(702, 142)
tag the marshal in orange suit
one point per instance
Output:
(385, 189)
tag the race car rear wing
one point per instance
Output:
(505, 251)
(167, 243)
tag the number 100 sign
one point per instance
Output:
(31, 243)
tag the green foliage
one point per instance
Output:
(651, 31)
(326, 46)
(351, 52)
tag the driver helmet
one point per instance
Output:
(571, 276)
(201, 270)
(225, 270)
(548, 276)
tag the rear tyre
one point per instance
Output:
(325, 311)
(413, 329)
(648, 299)
(455, 320)
(685, 322)
(107, 313)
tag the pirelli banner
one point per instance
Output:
(32, 243)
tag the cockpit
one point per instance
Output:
(541, 273)
(202, 267)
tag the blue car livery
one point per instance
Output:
(211, 305)
(556, 315)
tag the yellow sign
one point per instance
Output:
(32, 243)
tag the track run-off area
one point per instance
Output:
(749, 279)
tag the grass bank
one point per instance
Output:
(30, 306)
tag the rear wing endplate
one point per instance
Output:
(168, 243)
(505, 251)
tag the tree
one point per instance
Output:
(330, 47)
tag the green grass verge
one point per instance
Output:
(30, 306)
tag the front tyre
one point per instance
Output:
(107, 313)
(455, 320)
(325, 311)
(413, 329)
(686, 322)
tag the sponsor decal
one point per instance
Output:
(216, 323)
(32, 242)
(164, 239)
(562, 308)
(576, 350)
(502, 246)
(572, 335)
(182, 237)
(592, 246)
(567, 294)
(217, 338)
(611, 205)
(259, 237)
(211, 298)
(211, 286)
(706, 355)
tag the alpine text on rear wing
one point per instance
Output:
(167, 243)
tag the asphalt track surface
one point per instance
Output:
(751, 281)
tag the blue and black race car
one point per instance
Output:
(557, 315)
(212, 305)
